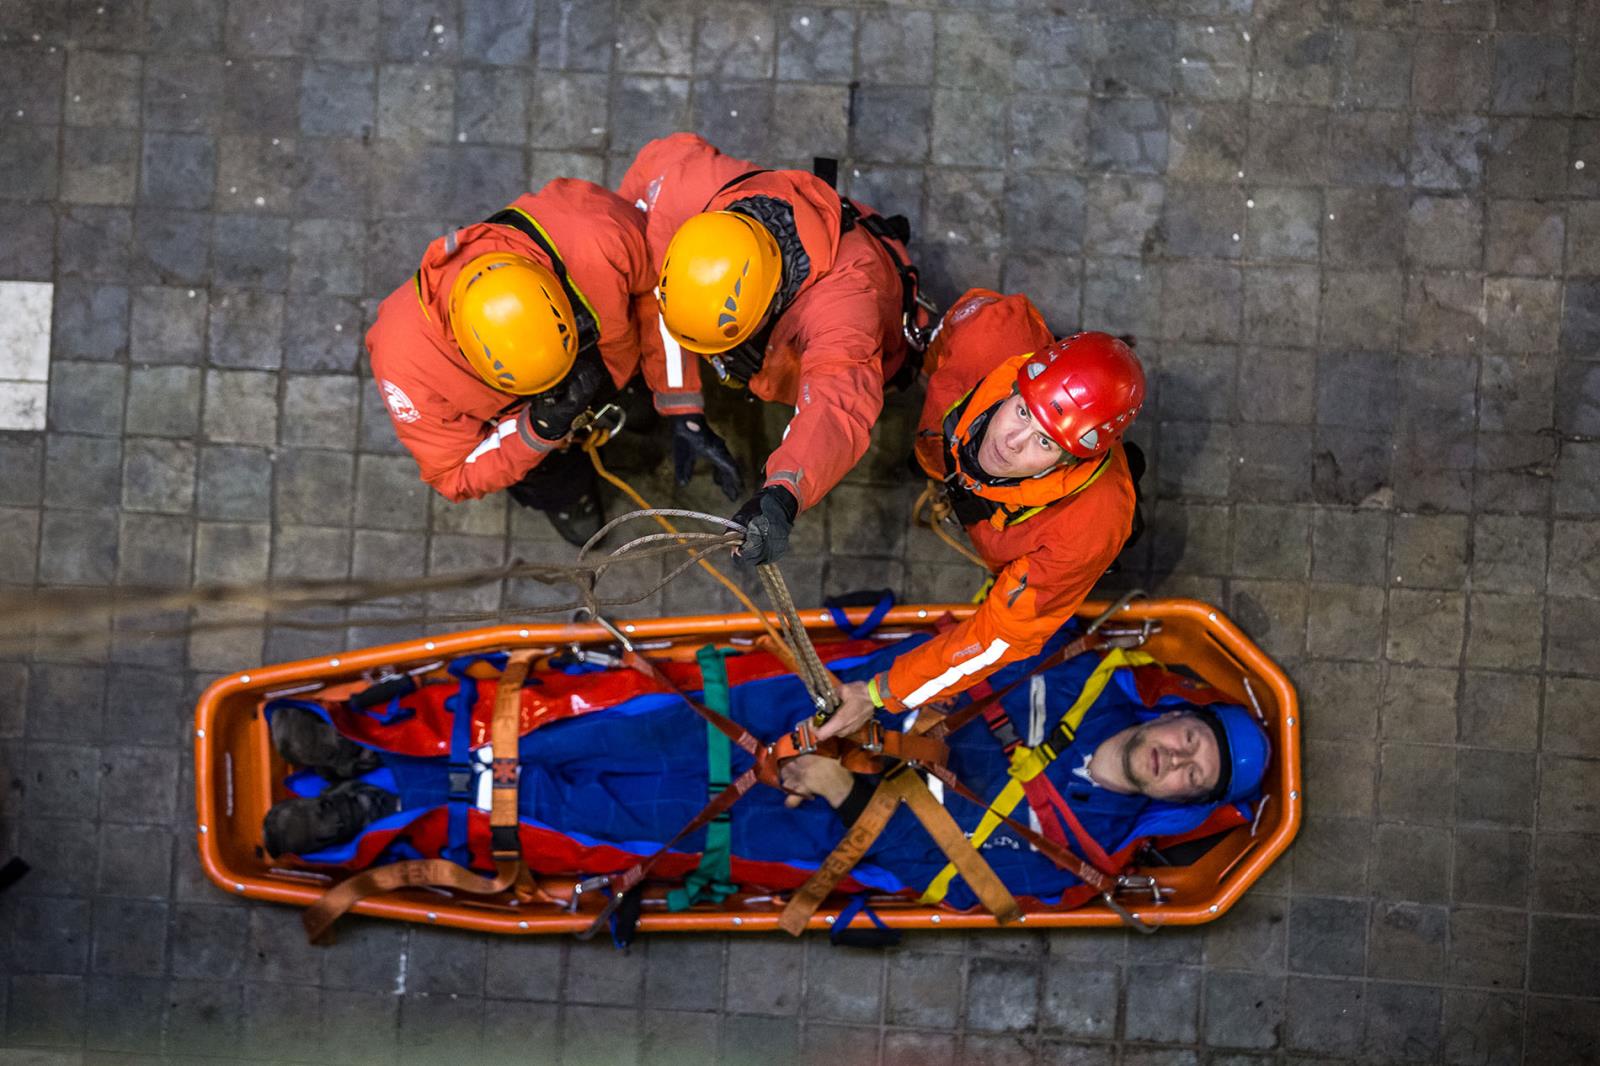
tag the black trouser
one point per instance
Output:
(565, 477)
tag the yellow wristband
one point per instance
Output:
(872, 693)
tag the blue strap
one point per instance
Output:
(462, 798)
(394, 712)
(847, 914)
(873, 620)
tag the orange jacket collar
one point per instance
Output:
(1054, 484)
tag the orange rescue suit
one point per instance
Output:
(833, 345)
(1050, 537)
(469, 438)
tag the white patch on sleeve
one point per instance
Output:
(400, 404)
(991, 654)
(674, 350)
(502, 430)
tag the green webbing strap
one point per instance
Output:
(712, 880)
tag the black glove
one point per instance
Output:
(692, 440)
(767, 518)
(552, 412)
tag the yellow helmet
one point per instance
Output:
(513, 323)
(719, 276)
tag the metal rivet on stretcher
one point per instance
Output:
(432, 916)
(333, 662)
(922, 614)
(934, 919)
(1213, 908)
(202, 829)
(738, 921)
(429, 645)
(1294, 795)
(1290, 721)
(523, 633)
(199, 732)
(829, 919)
(522, 925)
(237, 887)
(244, 679)
(628, 628)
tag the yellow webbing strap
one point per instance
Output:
(1028, 763)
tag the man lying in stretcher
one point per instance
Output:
(612, 766)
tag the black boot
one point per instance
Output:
(578, 520)
(306, 739)
(305, 824)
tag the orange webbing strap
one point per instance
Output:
(978, 874)
(844, 857)
(902, 787)
(504, 733)
(1096, 879)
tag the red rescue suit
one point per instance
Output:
(469, 438)
(833, 345)
(1048, 539)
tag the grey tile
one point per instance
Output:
(415, 102)
(1491, 867)
(158, 475)
(244, 329)
(1522, 315)
(1532, 75)
(1507, 631)
(86, 398)
(1412, 863)
(311, 487)
(1324, 1015)
(1452, 72)
(1327, 936)
(1528, 157)
(164, 401)
(1445, 231)
(234, 483)
(1402, 1020)
(240, 407)
(1418, 783)
(1407, 942)
(1482, 1027)
(1128, 136)
(310, 552)
(78, 548)
(1524, 237)
(1447, 151)
(155, 549)
(1499, 710)
(171, 246)
(82, 471)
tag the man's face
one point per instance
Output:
(1013, 445)
(1173, 757)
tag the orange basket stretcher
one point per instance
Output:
(238, 776)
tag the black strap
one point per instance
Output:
(588, 328)
(731, 182)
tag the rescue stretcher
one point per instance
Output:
(1175, 881)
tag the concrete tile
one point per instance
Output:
(45, 1010)
(164, 401)
(1524, 237)
(234, 483)
(203, 1017)
(155, 549)
(1402, 1019)
(1407, 942)
(1482, 1027)
(1499, 710)
(232, 552)
(310, 552)
(1556, 1028)
(1515, 392)
(1507, 631)
(1128, 136)
(1211, 65)
(171, 246)
(158, 475)
(1527, 157)
(1327, 936)
(1086, 1007)
(87, 398)
(1324, 1015)
(78, 548)
(1532, 74)
(1492, 867)
(1557, 952)
(1419, 703)
(1206, 141)
(1009, 993)
(1452, 72)
(240, 407)
(1411, 863)
(415, 102)
(1418, 783)
(1580, 317)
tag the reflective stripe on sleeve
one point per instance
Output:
(502, 430)
(674, 351)
(932, 688)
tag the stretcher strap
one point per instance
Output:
(723, 724)
(1027, 773)
(510, 872)
(712, 880)
(978, 874)
(621, 883)
(844, 857)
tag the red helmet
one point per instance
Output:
(1083, 391)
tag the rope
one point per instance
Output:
(938, 509)
(792, 645)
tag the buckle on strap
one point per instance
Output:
(588, 884)
(506, 772)
(804, 738)
(873, 741)
(462, 778)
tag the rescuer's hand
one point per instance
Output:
(693, 440)
(767, 518)
(816, 775)
(855, 710)
(553, 411)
